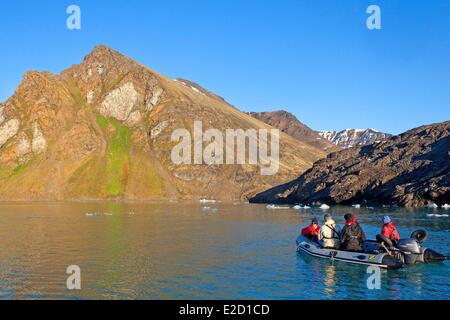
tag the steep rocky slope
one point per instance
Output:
(354, 137)
(290, 125)
(102, 129)
(412, 169)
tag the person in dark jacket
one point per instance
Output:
(352, 235)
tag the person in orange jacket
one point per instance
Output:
(312, 231)
(389, 231)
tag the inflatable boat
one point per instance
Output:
(381, 253)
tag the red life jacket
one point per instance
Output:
(353, 221)
(389, 231)
(311, 232)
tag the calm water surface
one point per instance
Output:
(194, 251)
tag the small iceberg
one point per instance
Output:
(96, 214)
(437, 215)
(274, 207)
(433, 206)
(207, 201)
(446, 206)
(325, 207)
(300, 207)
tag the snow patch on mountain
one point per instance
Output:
(354, 137)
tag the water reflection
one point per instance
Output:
(330, 281)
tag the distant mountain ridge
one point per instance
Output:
(349, 138)
(411, 170)
(290, 125)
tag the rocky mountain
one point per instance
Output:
(102, 129)
(353, 137)
(412, 170)
(290, 125)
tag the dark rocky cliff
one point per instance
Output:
(411, 170)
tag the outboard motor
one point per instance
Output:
(411, 250)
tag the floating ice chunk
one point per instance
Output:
(97, 214)
(433, 206)
(446, 206)
(357, 206)
(274, 207)
(325, 207)
(437, 215)
(300, 207)
(207, 201)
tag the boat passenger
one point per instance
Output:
(389, 231)
(312, 231)
(352, 235)
(329, 233)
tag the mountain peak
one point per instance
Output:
(104, 57)
(354, 137)
(103, 51)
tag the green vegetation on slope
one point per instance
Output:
(19, 169)
(102, 122)
(118, 158)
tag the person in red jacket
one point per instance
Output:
(389, 231)
(312, 231)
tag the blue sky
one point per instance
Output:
(314, 58)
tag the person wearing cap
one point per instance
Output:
(329, 233)
(389, 231)
(312, 231)
(352, 235)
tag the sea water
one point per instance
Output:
(181, 250)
